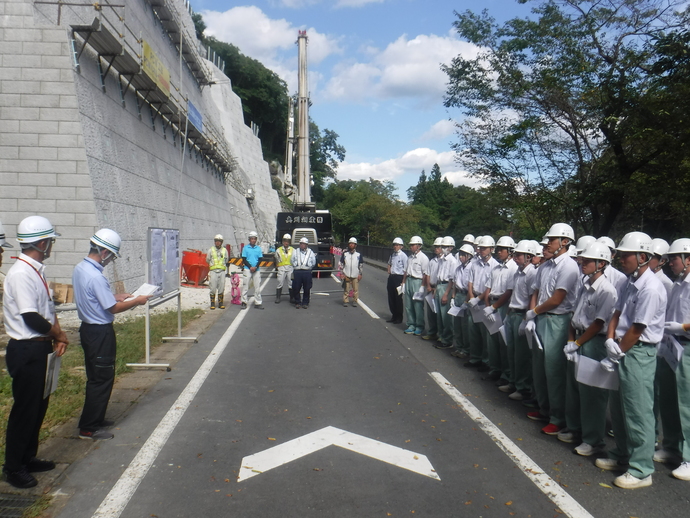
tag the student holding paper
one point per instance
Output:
(459, 295)
(593, 311)
(397, 262)
(430, 282)
(442, 293)
(417, 269)
(96, 307)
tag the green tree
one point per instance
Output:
(325, 154)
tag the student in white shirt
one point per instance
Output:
(417, 269)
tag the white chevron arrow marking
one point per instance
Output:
(331, 436)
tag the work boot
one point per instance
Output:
(220, 302)
(213, 302)
(292, 295)
(278, 293)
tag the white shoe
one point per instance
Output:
(610, 464)
(587, 450)
(516, 396)
(566, 435)
(666, 457)
(507, 388)
(627, 481)
(682, 472)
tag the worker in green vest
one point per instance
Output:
(217, 259)
(284, 265)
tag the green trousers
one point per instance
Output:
(431, 325)
(460, 326)
(593, 400)
(477, 339)
(444, 321)
(414, 309)
(550, 384)
(666, 392)
(497, 351)
(683, 384)
(519, 354)
(632, 410)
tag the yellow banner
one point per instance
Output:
(154, 68)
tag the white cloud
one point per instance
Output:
(298, 4)
(442, 129)
(356, 3)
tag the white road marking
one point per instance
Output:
(123, 491)
(566, 503)
(330, 436)
(364, 306)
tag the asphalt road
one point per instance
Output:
(280, 374)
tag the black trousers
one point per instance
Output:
(26, 363)
(99, 344)
(395, 301)
(301, 281)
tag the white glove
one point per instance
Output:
(674, 328)
(452, 302)
(473, 302)
(521, 329)
(613, 351)
(489, 310)
(570, 347)
(608, 364)
(530, 315)
(530, 326)
(490, 318)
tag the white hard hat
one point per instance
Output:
(3, 242)
(544, 240)
(659, 246)
(635, 242)
(253, 234)
(353, 240)
(398, 241)
(572, 251)
(584, 241)
(485, 241)
(287, 236)
(537, 246)
(416, 240)
(218, 237)
(607, 241)
(469, 238)
(34, 229)
(505, 242)
(598, 251)
(304, 240)
(108, 239)
(448, 241)
(438, 241)
(561, 230)
(476, 240)
(526, 247)
(467, 248)
(679, 246)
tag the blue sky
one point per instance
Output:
(374, 73)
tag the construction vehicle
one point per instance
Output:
(316, 227)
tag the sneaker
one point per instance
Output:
(443, 346)
(408, 331)
(586, 450)
(459, 354)
(682, 472)
(98, 435)
(516, 396)
(418, 331)
(297, 306)
(354, 304)
(551, 429)
(305, 306)
(568, 436)
(667, 457)
(430, 337)
(530, 403)
(611, 464)
(259, 306)
(627, 481)
(39, 465)
(21, 479)
(243, 306)
(537, 416)
(344, 304)
(508, 388)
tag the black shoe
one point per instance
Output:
(443, 346)
(471, 364)
(397, 321)
(259, 306)
(391, 320)
(483, 367)
(493, 376)
(243, 306)
(21, 479)
(39, 465)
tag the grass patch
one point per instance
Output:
(68, 400)
(36, 509)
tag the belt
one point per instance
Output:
(36, 339)
(515, 310)
(555, 314)
(494, 298)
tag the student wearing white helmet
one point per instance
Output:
(468, 240)
(617, 278)
(397, 263)
(252, 254)
(442, 293)
(539, 258)
(459, 296)
(97, 307)
(635, 330)
(352, 264)
(283, 257)
(659, 250)
(593, 311)
(34, 331)
(303, 260)
(551, 306)
(430, 285)
(678, 325)
(413, 281)
(217, 260)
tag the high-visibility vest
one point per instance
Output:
(284, 259)
(219, 258)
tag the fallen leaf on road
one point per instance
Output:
(509, 502)
(468, 502)
(605, 485)
(476, 465)
(416, 457)
(271, 390)
(227, 480)
(408, 440)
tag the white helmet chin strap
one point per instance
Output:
(598, 270)
(640, 265)
(561, 247)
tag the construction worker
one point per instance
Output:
(417, 269)
(352, 264)
(397, 263)
(593, 311)
(678, 325)
(217, 260)
(252, 255)
(459, 295)
(284, 265)
(96, 307)
(303, 260)
(496, 296)
(613, 275)
(442, 293)
(551, 306)
(34, 330)
(430, 286)
(635, 330)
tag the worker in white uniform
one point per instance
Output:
(442, 293)
(459, 294)
(417, 269)
(430, 284)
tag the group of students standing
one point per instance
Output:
(527, 314)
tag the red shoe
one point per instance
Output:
(537, 416)
(551, 429)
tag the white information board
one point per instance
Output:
(164, 259)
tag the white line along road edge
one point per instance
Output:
(123, 491)
(545, 483)
(362, 304)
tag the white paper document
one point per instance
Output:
(589, 372)
(52, 374)
(494, 326)
(454, 311)
(504, 335)
(431, 301)
(418, 295)
(670, 350)
(399, 289)
(477, 313)
(145, 289)
(533, 340)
